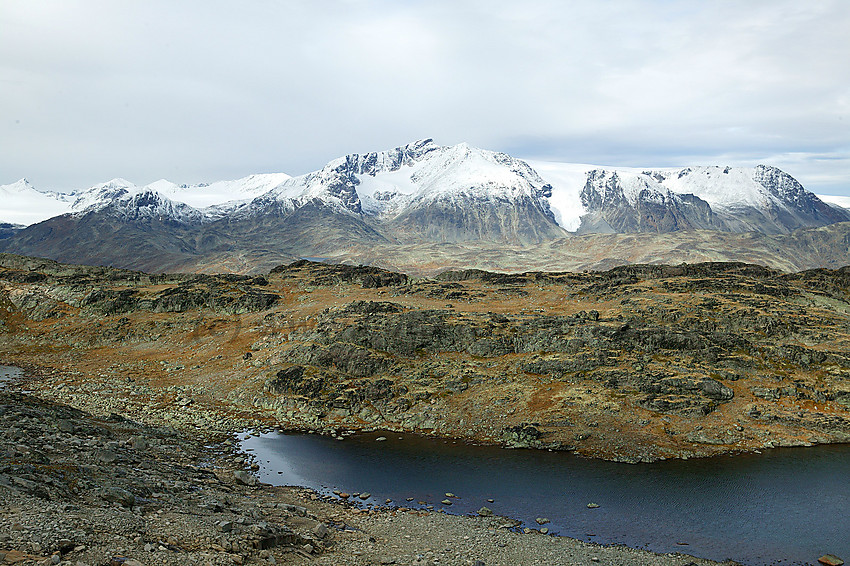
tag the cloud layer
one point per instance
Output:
(198, 91)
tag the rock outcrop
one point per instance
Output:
(634, 363)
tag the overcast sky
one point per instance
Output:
(206, 90)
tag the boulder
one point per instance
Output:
(522, 435)
(245, 478)
(118, 495)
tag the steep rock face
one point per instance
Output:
(805, 208)
(763, 199)
(392, 160)
(467, 218)
(423, 191)
(460, 193)
(640, 204)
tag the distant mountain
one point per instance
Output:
(730, 199)
(622, 203)
(21, 203)
(421, 194)
(425, 192)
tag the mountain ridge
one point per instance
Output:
(424, 194)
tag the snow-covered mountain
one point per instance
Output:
(736, 199)
(21, 203)
(382, 183)
(220, 193)
(426, 191)
(146, 204)
(418, 193)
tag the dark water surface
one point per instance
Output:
(8, 374)
(785, 506)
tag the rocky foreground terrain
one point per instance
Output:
(118, 445)
(79, 490)
(633, 364)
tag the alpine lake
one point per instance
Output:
(783, 506)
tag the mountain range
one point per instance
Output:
(422, 207)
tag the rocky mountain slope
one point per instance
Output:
(7, 229)
(763, 199)
(427, 197)
(633, 364)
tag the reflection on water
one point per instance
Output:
(8, 374)
(785, 506)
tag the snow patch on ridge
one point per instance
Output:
(21, 203)
(220, 193)
(721, 187)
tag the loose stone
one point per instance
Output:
(245, 478)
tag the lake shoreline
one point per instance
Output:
(352, 536)
(704, 507)
(225, 417)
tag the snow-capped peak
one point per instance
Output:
(385, 184)
(19, 186)
(21, 203)
(381, 183)
(144, 203)
(101, 193)
(337, 183)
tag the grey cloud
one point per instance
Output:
(196, 91)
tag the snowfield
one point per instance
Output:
(21, 203)
(385, 183)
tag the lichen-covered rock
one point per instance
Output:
(523, 435)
